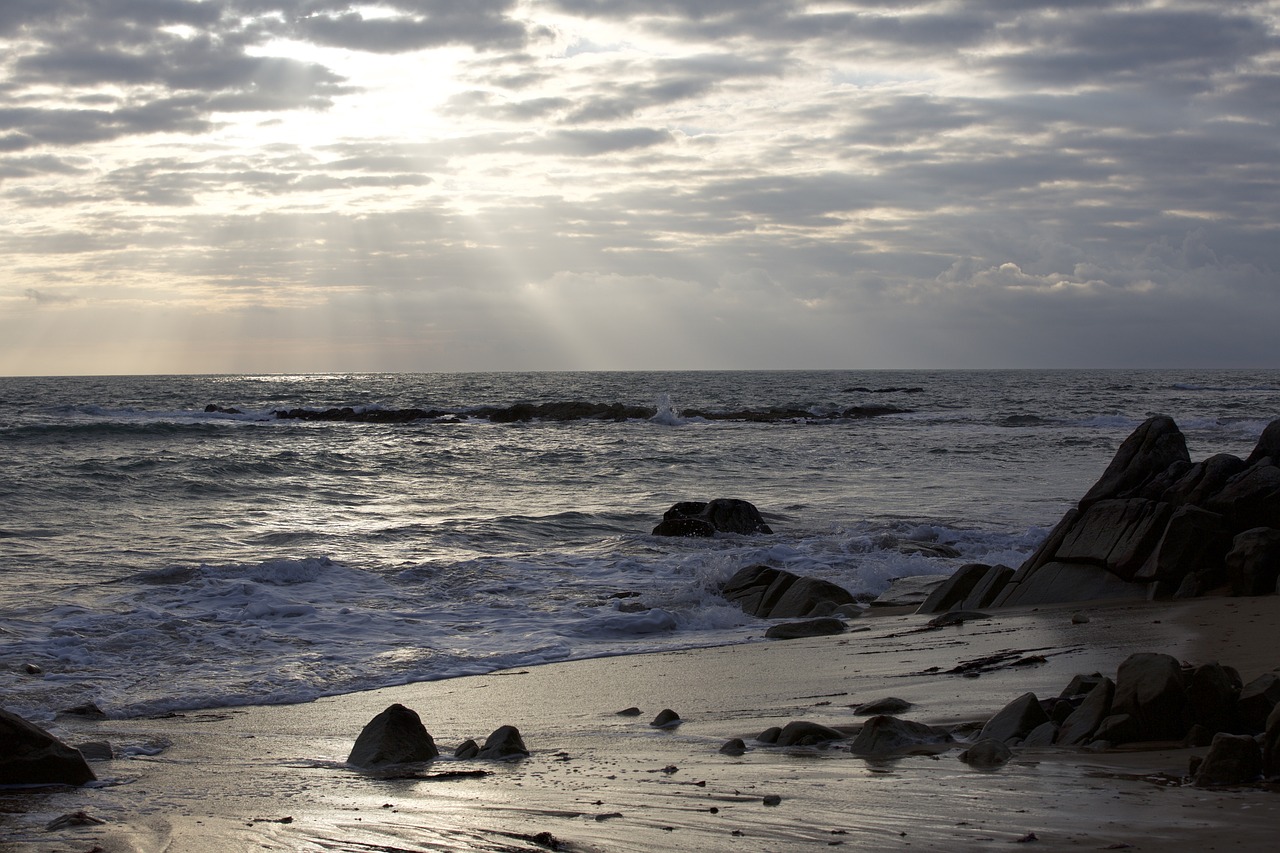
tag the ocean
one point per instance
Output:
(157, 557)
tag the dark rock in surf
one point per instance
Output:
(705, 518)
(778, 594)
(467, 749)
(32, 756)
(825, 626)
(666, 719)
(396, 736)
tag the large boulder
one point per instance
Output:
(1195, 541)
(1082, 723)
(706, 518)
(1150, 688)
(1232, 760)
(1146, 454)
(1253, 563)
(396, 736)
(29, 755)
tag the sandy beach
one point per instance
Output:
(275, 777)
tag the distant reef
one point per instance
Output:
(571, 411)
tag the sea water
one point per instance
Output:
(157, 557)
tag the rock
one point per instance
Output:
(1253, 563)
(927, 549)
(1045, 734)
(1055, 582)
(32, 669)
(988, 588)
(954, 590)
(1016, 720)
(824, 627)
(769, 735)
(1150, 688)
(803, 733)
(666, 719)
(887, 705)
(1081, 724)
(1117, 535)
(778, 594)
(956, 617)
(1144, 455)
(1117, 729)
(629, 712)
(32, 756)
(1251, 498)
(1195, 541)
(96, 750)
(466, 750)
(1271, 745)
(987, 754)
(724, 515)
(772, 800)
(396, 736)
(1232, 760)
(734, 746)
(88, 709)
(909, 591)
(1257, 700)
(884, 736)
(504, 742)
(1268, 446)
(1212, 694)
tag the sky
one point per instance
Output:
(214, 186)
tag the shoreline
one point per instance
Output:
(274, 777)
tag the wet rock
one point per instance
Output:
(723, 515)
(887, 705)
(778, 594)
(734, 746)
(666, 719)
(772, 800)
(927, 549)
(396, 736)
(32, 756)
(957, 617)
(1150, 688)
(1045, 734)
(909, 591)
(32, 669)
(1016, 720)
(825, 627)
(987, 754)
(629, 712)
(1257, 700)
(804, 733)
(1253, 563)
(884, 736)
(954, 590)
(1079, 727)
(769, 736)
(1271, 745)
(467, 749)
(1212, 694)
(88, 709)
(504, 742)
(96, 750)
(1116, 729)
(1147, 453)
(1232, 760)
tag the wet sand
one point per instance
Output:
(274, 778)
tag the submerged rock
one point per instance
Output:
(987, 754)
(778, 594)
(722, 515)
(805, 733)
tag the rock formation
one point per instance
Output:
(396, 736)
(1154, 525)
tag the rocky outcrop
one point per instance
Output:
(396, 736)
(706, 518)
(1154, 525)
(778, 594)
(32, 756)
